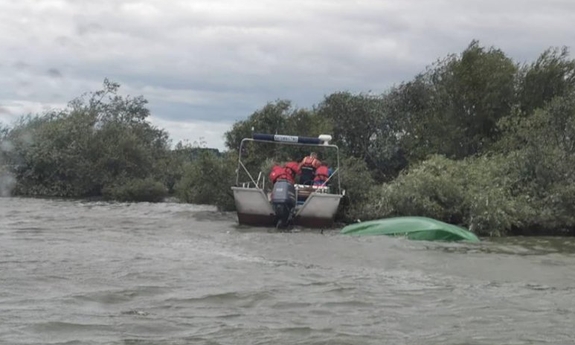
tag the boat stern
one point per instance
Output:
(253, 207)
(318, 211)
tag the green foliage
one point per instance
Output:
(552, 75)
(271, 118)
(544, 144)
(364, 128)
(172, 165)
(100, 139)
(476, 140)
(357, 183)
(136, 190)
(355, 120)
(208, 180)
(453, 108)
(276, 118)
(474, 192)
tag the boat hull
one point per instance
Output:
(254, 209)
(414, 228)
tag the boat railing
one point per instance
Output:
(259, 178)
(321, 141)
(262, 178)
(259, 183)
(330, 176)
(246, 184)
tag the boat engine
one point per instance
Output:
(283, 202)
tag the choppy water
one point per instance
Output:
(95, 273)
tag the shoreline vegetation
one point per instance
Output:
(476, 140)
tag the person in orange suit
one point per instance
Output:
(277, 172)
(307, 168)
(321, 175)
(292, 170)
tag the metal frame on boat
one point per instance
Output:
(316, 206)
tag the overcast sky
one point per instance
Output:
(204, 64)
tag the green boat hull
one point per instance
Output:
(413, 228)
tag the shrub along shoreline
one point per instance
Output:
(476, 140)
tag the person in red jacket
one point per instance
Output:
(321, 175)
(292, 170)
(307, 168)
(277, 172)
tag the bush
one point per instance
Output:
(136, 190)
(94, 142)
(357, 182)
(474, 193)
(208, 181)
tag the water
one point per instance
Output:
(75, 272)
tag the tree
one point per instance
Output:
(552, 75)
(454, 106)
(101, 139)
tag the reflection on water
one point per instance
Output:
(74, 272)
(536, 245)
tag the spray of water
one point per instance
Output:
(7, 180)
(7, 183)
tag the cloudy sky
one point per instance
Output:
(204, 64)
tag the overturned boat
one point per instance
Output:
(413, 228)
(285, 203)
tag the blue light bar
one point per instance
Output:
(286, 138)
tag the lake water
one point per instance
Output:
(74, 272)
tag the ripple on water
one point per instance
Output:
(245, 299)
(177, 274)
(119, 296)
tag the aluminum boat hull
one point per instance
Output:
(254, 209)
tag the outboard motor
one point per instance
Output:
(283, 202)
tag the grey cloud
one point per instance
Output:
(4, 111)
(54, 73)
(21, 65)
(88, 28)
(185, 112)
(224, 59)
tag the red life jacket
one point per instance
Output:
(310, 162)
(277, 173)
(292, 168)
(288, 175)
(321, 173)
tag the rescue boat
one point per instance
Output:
(283, 204)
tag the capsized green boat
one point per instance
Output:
(413, 228)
